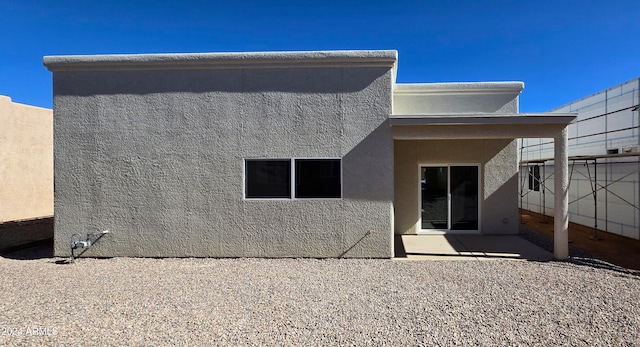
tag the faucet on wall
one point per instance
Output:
(77, 242)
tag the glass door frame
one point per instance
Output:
(448, 230)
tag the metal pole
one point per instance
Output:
(606, 166)
(544, 199)
(637, 102)
(595, 200)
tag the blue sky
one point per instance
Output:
(562, 50)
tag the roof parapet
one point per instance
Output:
(197, 61)
(459, 88)
(456, 98)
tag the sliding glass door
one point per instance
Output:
(449, 197)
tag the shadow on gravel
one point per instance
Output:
(601, 264)
(577, 255)
(27, 239)
(67, 261)
(546, 242)
(62, 262)
(36, 250)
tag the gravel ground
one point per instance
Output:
(310, 302)
(546, 242)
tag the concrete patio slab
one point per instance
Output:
(468, 247)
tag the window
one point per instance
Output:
(534, 178)
(268, 178)
(313, 178)
(318, 178)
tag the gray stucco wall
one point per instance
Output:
(498, 179)
(157, 157)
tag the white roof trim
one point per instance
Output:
(458, 88)
(477, 119)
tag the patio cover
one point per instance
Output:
(503, 126)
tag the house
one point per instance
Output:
(281, 154)
(26, 173)
(603, 162)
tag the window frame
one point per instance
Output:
(533, 175)
(244, 179)
(294, 192)
(480, 205)
(292, 178)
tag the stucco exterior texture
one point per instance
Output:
(455, 144)
(498, 180)
(154, 152)
(152, 148)
(26, 169)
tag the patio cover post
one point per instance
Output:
(561, 197)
